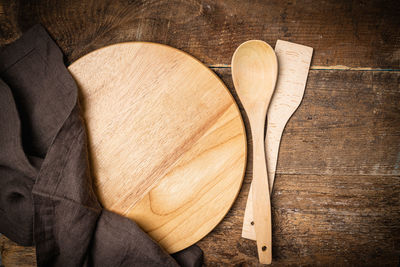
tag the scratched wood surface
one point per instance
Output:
(336, 197)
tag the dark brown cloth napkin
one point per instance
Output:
(46, 195)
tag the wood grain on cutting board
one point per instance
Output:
(166, 139)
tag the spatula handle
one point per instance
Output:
(261, 198)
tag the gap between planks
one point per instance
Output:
(339, 174)
(317, 67)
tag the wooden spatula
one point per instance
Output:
(294, 63)
(254, 73)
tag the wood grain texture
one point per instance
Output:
(318, 221)
(323, 216)
(13, 255)
(254, 74)
(336, 194)
(294, 63)
(332, 220)
(347, 124)
(350, 127)
(166, 139)
(343, 33)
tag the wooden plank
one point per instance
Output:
(343, 33)
(14, 255)
(347, 124)
(318, 220)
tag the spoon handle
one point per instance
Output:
(261, 197)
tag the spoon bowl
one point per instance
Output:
(254, 73)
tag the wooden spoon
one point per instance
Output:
(254, 73)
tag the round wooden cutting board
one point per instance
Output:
(166, 139)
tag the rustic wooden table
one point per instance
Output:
(336, 199)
